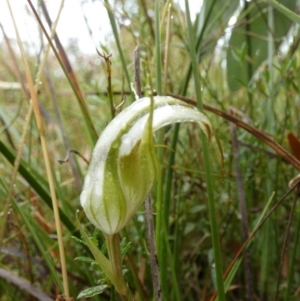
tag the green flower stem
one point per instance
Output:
(268, 231)
(115, 256)
(160, 244)
(113, 267)
(207, 164)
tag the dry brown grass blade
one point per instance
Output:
(67, 68)
(282, 152)
(50, 90)
(17, 73)
(35, 107)
(144, 6)
(63, 54)
(285, 242)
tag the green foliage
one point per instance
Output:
(248, 44)
(233, 77)
(92, 291)
(213, 20)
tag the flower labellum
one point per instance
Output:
(124, 167)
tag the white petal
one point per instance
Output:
(120, 123)
(163, 116)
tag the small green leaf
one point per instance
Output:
(84, 259)
(79, 240)
(125, 246)
(92, 291)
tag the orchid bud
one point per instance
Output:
(124, 167)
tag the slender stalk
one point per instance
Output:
(137, 71)
(285, 243)
(167, 48)
(107, 60)
(50, 91)
(198, 43)
(116, 35)
(151, 237)
(171, 160)
(152, 250)
(160, 242)
(155, 275)
(169, 175)
(115, 256)
(177, 235)
(293, 256)
(175, 287)
(158, 49)
(66, 66)
(144, 7)
(271, 51)
(249, 66)
(269, 122)
(207, 164)
(169, 171)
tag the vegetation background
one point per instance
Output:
(54, 105)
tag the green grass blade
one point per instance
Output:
(116, 35)
(34, 184)
(237, 264)
(290, 14)
(207, 164)
(161, 236)
(293, 258)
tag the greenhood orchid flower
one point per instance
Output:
(124, 167)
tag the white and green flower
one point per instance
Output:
(124, 166)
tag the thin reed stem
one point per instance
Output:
(207, 164)
(46, 156)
